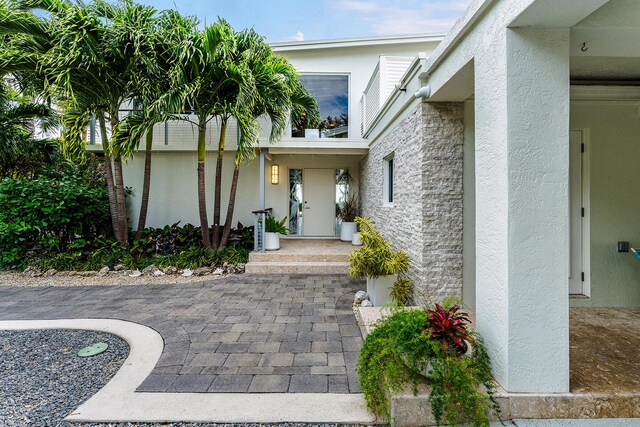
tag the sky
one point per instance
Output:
(296, 20)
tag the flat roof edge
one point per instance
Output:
(356, 41)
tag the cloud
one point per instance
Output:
(402, 17)
(299, 36)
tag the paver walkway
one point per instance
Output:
(255, 334)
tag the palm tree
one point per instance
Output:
(205, 77)
(91, 67)
(278, 94)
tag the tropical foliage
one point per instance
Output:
(396, 355)
(375, 258)
(127, 67)
(272, 225)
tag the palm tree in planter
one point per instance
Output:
(349, 209)
(376, 262)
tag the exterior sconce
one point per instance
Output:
(275, 174)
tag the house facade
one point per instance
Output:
(502, 157)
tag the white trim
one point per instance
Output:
(586, 220)
(356, 42)
(385, 184)
(119, 402)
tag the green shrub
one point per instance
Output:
(397, 350)
(48, 215)
(274, 226)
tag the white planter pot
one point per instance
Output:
(347, 229)
(272, 241)
(356, 240)
(312, 133)
(379, 289)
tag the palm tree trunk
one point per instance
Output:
(232, 204)
(202, 200)
(121, 215)
(121, 205)
(218, 186)
(146, 184)
(113, 198)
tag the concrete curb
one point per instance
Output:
(119, 402)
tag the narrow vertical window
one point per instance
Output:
(388, 180)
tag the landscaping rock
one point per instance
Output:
(187, 273)
(72, 273)
(103, 271)
(170, 270)
(135, 273)
(28, 271)
(50, 272)
(202, 271)
(366, 303)
(119, 267)
(150, 270)
(218, 271)
(360, 296)
(86, 273)
(158, 273)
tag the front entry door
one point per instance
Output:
(319, 194)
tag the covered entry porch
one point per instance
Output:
(515, 68)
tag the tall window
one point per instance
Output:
(388, 180)
(332, 94)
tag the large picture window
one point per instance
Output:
(332, 94)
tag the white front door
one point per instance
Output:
(319, 194)
(576, 215)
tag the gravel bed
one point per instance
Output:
(43, 379)
(18, 279)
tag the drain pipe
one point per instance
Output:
(423, 92)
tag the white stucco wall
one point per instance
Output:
(614, 129)
(522, 135)
(469, 208)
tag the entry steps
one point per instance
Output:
(302, 257)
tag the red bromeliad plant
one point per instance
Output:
(448, 326)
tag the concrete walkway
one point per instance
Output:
(241, 334)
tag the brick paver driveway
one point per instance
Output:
(255, 334)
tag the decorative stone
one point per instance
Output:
(187, 273)
(27, 271)
(72, 273)
(158, 273)
(366, 303)
(136, 273)
(218, 272)
(50, 272)
(170, 270)
(119, 267)
(360, 296)
(150, 270)
(202, 271)
(86, 273)
(103, 271)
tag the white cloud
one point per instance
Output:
(299, 36)
(406, 17)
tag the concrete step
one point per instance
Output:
(297, 268)
(278, 256)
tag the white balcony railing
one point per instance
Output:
(386, 75)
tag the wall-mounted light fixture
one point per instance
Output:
(275, 174)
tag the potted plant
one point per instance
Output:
(273, 230)
(347, 213)
(461, 387)
(376, 262)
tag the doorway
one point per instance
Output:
(312, 199)
(579, 214)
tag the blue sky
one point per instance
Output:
(286, 20)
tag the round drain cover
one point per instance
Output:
(93, 350)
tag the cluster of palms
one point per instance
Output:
(96, 58)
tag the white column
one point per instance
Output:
(522, 139)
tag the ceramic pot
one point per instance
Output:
(379, 289)
(347, 230)
(272, 241)
(356, 240)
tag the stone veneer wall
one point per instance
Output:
(426, 217)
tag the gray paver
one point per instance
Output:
(308, 384)
(269, 384)
(222, 335)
